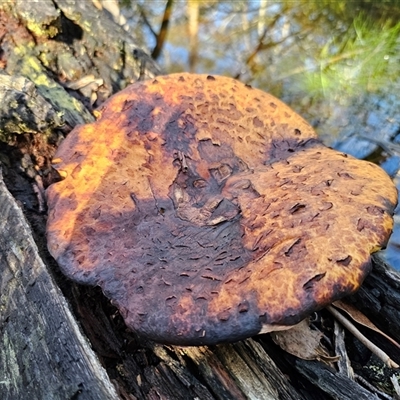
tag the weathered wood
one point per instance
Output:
(336, 385)
(62, 43)
(241, 371)
(379, 298)
(43, 354)
(23, 109)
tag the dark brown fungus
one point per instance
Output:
(200, 237)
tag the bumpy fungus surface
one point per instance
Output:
(208, 211)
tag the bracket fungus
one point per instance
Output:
(208, 211)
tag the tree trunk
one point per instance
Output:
(62, 340)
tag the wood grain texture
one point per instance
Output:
(338, 386)
(43, 354)
(23, 109)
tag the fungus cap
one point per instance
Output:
(209, 211)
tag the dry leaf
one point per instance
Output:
(357, 316)
(303, 342)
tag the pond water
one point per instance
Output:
(334, 62)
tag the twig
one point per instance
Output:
(366, 342)
(372, 388)
(389, 147)
(343, 363)
(146, 21)
(38, 189)
(396, 386)
(323, 64)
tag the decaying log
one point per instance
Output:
(74, 54)
(338, 386)
(23, 108)
(42, 353)
(379, 298)
(72, 343)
